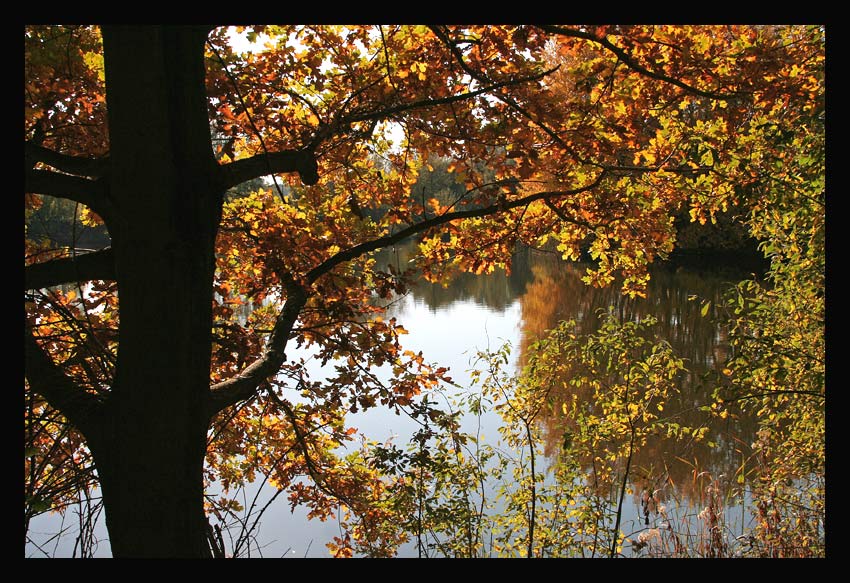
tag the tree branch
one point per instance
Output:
(420, 227)
(304, 162)
(91, 193)
(245, 384)
(478, 76)
(561, 215)
(341, 124)
(817, 395)
(301, 161)
(302, 442)
(62, 393)
(86, 267)
(627, 60)
(443, 36)
(78, 165)
(426, 103)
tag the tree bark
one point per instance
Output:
(150, 440)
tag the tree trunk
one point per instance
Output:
(150, 442)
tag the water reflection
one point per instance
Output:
(675, 297)
(540, 291)
(549, 290)
(496, 291)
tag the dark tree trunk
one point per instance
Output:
(149, 443)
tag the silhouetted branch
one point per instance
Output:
(88, 192)
(86, 267)
(62, 393)
(245, 384)
(301, 161)
(78, 165)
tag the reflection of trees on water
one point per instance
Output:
(495, 291)
(557, 293)
(550, 290)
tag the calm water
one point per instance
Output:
(478, 312)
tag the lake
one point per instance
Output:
(450, 324)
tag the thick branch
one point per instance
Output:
(88, 192)
(96, 265)
(244, 385)
(48, 380)
(627, 60)
(71, 164)
(301, 161)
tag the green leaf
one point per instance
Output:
(38, 504)
(705, 308)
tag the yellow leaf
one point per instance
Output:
(620, 108)
(94, 61)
